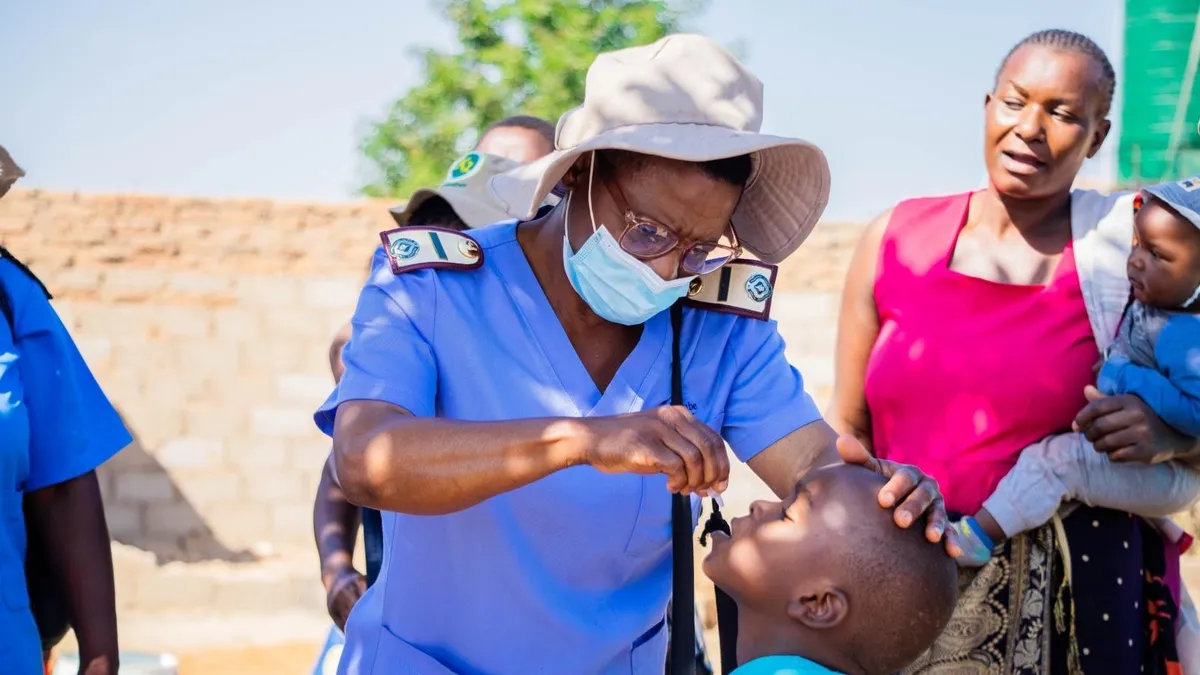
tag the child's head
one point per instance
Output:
(829, 575)
(1164, 266)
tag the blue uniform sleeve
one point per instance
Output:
(768, 400)
(1173, 393)
(72, 426)
(389, 357)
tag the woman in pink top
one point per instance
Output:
(964, 337)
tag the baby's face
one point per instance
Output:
(1164, 266)
(781, 543)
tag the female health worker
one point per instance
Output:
(504, 398)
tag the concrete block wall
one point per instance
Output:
(208, 322)
(208, 325)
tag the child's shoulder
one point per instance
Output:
(1181, 335)
(1183, 322)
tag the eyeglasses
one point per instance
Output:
(647, 239)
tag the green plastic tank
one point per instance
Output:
(1160, 86)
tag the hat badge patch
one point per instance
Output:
(1190, 184)
(466, 166)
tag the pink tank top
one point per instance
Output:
(967, 372)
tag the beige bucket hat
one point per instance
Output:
(684, 97)
(465, 189)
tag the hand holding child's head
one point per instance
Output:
(829, 571)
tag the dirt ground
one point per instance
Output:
(293, 659)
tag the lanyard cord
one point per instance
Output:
(682, 649)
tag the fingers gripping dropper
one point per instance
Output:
(716, 522)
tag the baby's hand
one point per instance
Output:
(976, 544)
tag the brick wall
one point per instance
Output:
(208, 324)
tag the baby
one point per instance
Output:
(826, 582)
(1156, 355)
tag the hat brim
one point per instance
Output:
(782, 202)
(473, 212)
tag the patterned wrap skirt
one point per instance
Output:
(1082, 594)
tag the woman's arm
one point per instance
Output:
(67, 520)
(1190, 455)
(1173, 389)
(1066, 467)
(858, 327)
(1174, 403)
(1127, 430)
(387, 459)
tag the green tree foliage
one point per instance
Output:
(515, 57)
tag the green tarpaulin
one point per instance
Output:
(1161, 91)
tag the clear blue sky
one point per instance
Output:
(267, 98)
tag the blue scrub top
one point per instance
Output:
(55, 425)
(572, 573)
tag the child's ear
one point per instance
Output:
(821, 609)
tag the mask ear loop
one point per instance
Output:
(591, 177)
(567, 220)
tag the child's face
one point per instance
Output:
(1164, 266)
(782, 546)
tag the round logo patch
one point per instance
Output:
(466, 166)
(404, 248)
(758, 288)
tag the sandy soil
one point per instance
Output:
(293, 659)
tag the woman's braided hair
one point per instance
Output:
(1070, 41)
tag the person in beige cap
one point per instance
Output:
(522, 401)
(462, 201)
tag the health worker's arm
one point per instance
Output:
(392, 453)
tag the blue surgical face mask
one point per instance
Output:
(617, 286)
